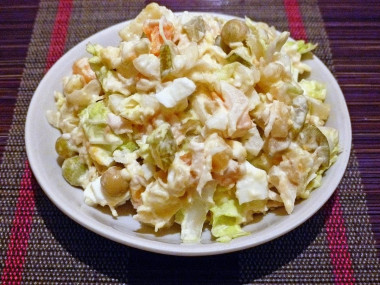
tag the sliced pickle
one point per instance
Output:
(319, 108)
(233, 56)
(300, 110)
(166, 61)
(264, 161)
(195, 29)
(221, 44)
(313, 140)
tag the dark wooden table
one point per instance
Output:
(353, 29)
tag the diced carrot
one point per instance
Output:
(215, 96)
(152, 31)
(186, 158)
(230, 175)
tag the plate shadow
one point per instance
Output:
(134, 266)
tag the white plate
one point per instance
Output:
(40, 139)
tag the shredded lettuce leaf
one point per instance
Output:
(314, 89)
(226, 217)
(302, 46)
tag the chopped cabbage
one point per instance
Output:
(295, 50)
(301, 46)
(137, 108)
(226, 217)
(95, 114)
(158, 208)
(111, 57)
(93, 120)
(314, 89)
(239, 75)
(195, 213)
(239, 121)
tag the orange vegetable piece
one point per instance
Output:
(152, 31)
(82, 67)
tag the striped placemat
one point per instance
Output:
(38, 244)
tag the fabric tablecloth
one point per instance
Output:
(40, 245)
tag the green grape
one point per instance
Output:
(72, 169)
(234, 31)
(113, 183)
(64, 148)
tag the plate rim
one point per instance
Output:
(159, 246)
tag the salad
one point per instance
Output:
(194, 120)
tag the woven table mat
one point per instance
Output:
(39, 244)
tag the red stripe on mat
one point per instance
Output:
(337, 241)
(296, 26)
(58, 36)
(22, 221)
(336, 231)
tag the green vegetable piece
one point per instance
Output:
(234, 31)
(162, 146)
(96, 113)
(96, 64)
(303, 47)
(226, 220)
(301, 108)
(93, 120)
(94, 49)
(313, 140)
(166, 61)
(314, 89)
(262, 161)
(221, 44)
(233, 56)
(95, 60)
(293, 89)
(73, 169)
(131, 146)
(195, 29)
(64, 148)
